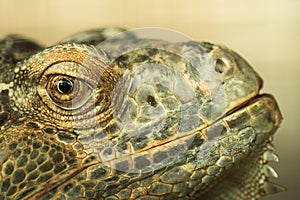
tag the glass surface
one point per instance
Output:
(265, 32)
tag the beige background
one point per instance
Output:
(266, 32)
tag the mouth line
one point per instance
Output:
(247, 103)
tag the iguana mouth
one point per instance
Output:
(259, 99)
(250, 101)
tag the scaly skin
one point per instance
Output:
(132, 119)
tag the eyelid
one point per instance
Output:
(73, 70)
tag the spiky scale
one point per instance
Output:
(269, 171)
(270, 156)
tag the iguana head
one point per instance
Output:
(180, 120)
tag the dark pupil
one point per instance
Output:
(65, 86)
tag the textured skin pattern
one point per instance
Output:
(132, 119)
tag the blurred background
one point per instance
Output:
(265, 32)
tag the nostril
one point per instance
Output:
(220, 66)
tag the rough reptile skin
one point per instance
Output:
(132, 119)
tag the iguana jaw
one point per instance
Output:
(256, 99)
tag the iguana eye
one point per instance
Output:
(68, 92)
(65, 86)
